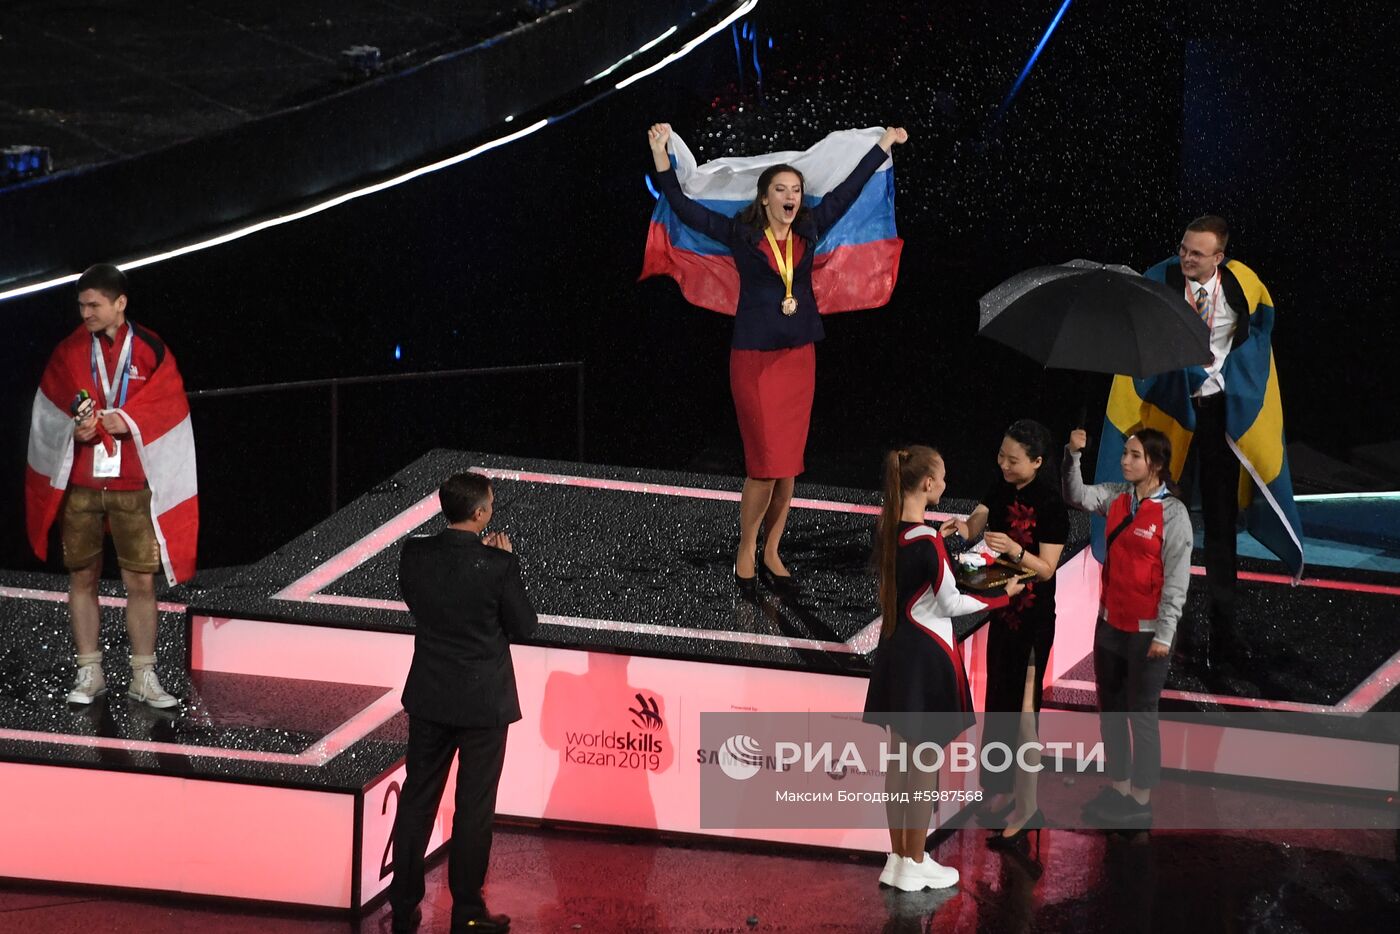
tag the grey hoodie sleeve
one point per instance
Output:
(1096, 498)
(1176, 568)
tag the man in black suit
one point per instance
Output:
(468, 601)
(1212, 289)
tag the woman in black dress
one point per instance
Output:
(1023, 518)
(918, 666)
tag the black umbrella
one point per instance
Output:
(1104, 319)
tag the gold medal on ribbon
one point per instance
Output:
(785, 268)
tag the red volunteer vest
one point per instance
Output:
(1132, 571)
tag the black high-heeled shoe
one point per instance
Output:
(1033, 825)
(996, 820)
(748, 586)
(781, 584)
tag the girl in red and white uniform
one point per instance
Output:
(918, 667)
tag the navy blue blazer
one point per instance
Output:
(759, 322)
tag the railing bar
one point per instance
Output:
(381, 378)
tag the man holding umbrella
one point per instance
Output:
(1227, 414)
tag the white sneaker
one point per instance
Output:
(146, 688)
(887, 874)
(909, 876)
(938, 875)
(89, 686)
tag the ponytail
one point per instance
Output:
(887, 541)
(903, 470)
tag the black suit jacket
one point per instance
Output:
(468, 602)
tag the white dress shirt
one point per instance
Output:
(1222, 332)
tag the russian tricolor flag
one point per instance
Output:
(857, 260)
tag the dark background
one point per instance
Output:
(1136, 118)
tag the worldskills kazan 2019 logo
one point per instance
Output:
(637, 748)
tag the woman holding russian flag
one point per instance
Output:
(773, 244)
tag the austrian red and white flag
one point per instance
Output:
(159, 419)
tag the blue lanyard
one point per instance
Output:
(1134, 502)
(99, 377)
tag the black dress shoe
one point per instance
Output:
(748, 586)
(1033, 825)
(781, 584)
(995, 820)
(1100, 808)
(405, 922)
(485, 924)
(1129, 815)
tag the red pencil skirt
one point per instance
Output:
(773, 399)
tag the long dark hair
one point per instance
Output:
(754, 214)
(1157, 448)
(904, 469)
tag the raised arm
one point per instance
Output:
(693, 214)
(839, 200)
(1096, 498)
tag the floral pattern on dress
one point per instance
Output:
(1020, 528)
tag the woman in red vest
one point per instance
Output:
(1146, 570)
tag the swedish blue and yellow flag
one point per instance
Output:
(1253, 418)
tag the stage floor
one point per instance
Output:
(639, 562)
(239, 726)
(620, 559)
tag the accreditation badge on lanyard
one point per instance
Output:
(104, 465)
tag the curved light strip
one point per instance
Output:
(398, 179)
(627, 58)
(689, 46)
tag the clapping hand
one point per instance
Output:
(498, 540)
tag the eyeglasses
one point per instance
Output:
(1194, 254)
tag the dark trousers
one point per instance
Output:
(1130, 686)
(480, 754)
(1218, 484)
(1009, 651)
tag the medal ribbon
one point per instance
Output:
(123, 371)
(785, 270)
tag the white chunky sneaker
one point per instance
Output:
(887, 874)
(938, 875)
(89, 685)
(909, 876)
(146, 688)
